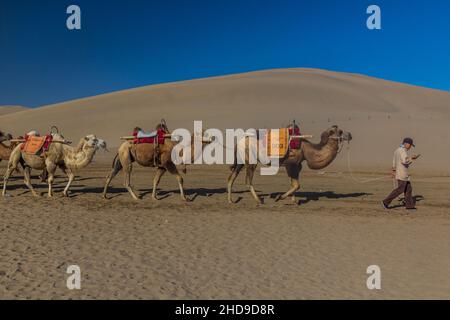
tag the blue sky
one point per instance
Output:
(125, 44)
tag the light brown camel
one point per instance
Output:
(144, 155)
(317, 156)
(5, 151)
(67, 158)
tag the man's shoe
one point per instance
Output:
(386, 207)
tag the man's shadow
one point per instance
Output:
(316, 196)
(402, 201)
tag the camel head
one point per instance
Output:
(336, 133)
(5, 136)
(92, 142)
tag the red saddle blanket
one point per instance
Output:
(35, 145)
(160, 136)
(294, 143)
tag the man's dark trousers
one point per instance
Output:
(405, 188)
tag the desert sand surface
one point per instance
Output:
(210, 249)
(318, 247)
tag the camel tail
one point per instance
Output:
(247, 176)
(116, 165)
(234, 165)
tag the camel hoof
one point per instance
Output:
(259, 201)
(135, 197)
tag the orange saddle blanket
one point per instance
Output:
(33, 145)
(277, 142)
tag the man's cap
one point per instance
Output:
(410, 141)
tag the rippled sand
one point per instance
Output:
(210, 249)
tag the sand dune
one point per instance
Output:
(11, 109)
(378, 112)
(319, 247)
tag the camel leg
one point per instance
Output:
(293, 172)
(173, 170)
(127, 181)
(14, 160)
(231, 178)
(159, 173)
(51, 168)
(180, 185)
(8, 173)
(27, 180)
(295, 185)
(250, 172)
(44, 175)
(71, 176)
(117, 166)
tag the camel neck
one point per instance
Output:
(318, 156)
(79, 159)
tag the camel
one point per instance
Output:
(317, 156)
(144, 155)
(60, 154)
(5, 151)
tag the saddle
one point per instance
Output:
(280, 143)
(157, 137)
(277, 143)
(36, 145)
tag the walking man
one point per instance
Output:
(400, 171)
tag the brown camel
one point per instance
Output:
(5, 151)
(317, 157)
(59, 154)
(144, 155)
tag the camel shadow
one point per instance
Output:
(205, 192)
(209, 192)
(316, 196)
(116, 192)
(88, 178)
(402, 203)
